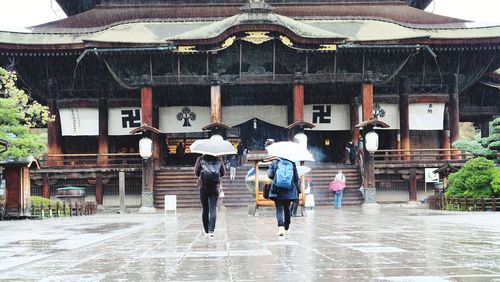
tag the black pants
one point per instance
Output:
(208, 198)
(283, 213)
(294, 207)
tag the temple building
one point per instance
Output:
(252, 70)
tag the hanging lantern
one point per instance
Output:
(300, 138)
(145, 148)
(371, 142)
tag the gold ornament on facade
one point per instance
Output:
(257, 37)
(186, 49)
(285, 40)
(328, 47)
(229, 41)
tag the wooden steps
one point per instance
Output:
(181, 181)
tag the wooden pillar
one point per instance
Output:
(45, 186)
(147, 105)
(121, 190)
(354, 117)
(103, 132)
(413, 185)
(99, 187)
(215, 104)
(298, 97)
(157, 154)
(485, 128)
(404, 120)
(454, 117)
(367, 94)
(54, 135)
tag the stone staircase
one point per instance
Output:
(181, 181)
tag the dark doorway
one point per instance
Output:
(328, 146)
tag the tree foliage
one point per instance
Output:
(488, 147)
(475, 180)
(18, 113)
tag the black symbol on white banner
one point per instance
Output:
(131, 118)
(322, 114)
(186, 115)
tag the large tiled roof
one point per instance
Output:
(111, 14)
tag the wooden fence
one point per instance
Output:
(62, 209)
(441, 202)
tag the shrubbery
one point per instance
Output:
(479, 178)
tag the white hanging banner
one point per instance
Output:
(274, 114)
(79, 121)
(181, 119)
(328, 116)
(388, 113)
(426, 116)
(122, 120)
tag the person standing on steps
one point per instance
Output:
(352, 152)
(209, 170)
(337, 195)
(233, 163)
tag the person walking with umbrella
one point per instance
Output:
(338, 189)
(209, 168)
(283, 173)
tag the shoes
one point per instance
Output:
(211, 235)
(281, 231)
(287, 232)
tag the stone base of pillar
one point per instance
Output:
(147, 203)
(370, 195)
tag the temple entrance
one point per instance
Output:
(254, 132)
(328, 146)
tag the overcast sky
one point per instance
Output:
(24, 13)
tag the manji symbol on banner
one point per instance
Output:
(328, 116)
(123, 120)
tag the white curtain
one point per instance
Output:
(426, 116)
(274, 114)
(192, 119)
(79, 121)
(328, 116)
(122, 120)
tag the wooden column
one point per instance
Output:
(298, 98)
(367, 94)
(369, 165)
(147, 105)
(404, 121)
(215, 104)
(155, 137)
(54, 135)
(45, 186)
(354, 117)
(103, 131)
(99, 187)
(413, 185)
(453, 108)
(485, 128)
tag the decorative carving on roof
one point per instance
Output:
(257, 6)
(257, 37)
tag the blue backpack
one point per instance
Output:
(284, 174)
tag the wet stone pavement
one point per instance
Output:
(351, 244)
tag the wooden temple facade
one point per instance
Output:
(259, 69)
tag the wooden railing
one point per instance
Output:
(420, 156)
(91, 160)
(441, 202)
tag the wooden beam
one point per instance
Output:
(298, 101)
(404, 121)
(54, 134)
(215, 104)
(454, 112)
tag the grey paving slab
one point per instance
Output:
(351, 244)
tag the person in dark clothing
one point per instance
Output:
(209, 193)
(352, 151)
(240, 149)
(283, 197)
(179, 152)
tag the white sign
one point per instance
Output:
(426, 116)
(328, 116)
(181, 119)
(122, 120)
(274, 114)
(430, 176)
(79, 121)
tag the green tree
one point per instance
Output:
(18, 113)
(474, 180)
(488, 147)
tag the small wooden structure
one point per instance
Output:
(258, 157)
(17, 185)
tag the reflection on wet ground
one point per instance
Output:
(351, 244)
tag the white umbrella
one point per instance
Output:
(215, 146)
(301, 170)
(290, 150)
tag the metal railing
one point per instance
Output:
(92, 160)
(420, 156)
